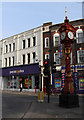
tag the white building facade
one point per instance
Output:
(21, 57)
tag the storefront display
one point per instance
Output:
(26, 82)
(58, 83)
(57, 80)
(81, 83)
(28, 75)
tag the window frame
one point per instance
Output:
(58, 58)
(56, 35)
(23, 56)
(9, 61)
(5, 62)
(34, 57)
(6, 48)
(78, 56)
(78, 32)
(46, 38)
(9, 47)
(28, 42)
(13, 60)
(13, 46)
(46, 56)
(34, 41)
(23, 44)
(28, 58)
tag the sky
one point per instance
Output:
(18, 16)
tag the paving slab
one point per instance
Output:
(52, 110)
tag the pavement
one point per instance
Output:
(50, 110)
(29, 93)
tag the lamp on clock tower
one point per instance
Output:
(67, 98)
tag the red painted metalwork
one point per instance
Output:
(67, 27)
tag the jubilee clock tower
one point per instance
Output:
(68, 98)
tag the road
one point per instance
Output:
(26, 106)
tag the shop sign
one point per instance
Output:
(16, 71)
(21, 70)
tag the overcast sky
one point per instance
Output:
(18, 17)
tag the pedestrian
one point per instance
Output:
(21, 87)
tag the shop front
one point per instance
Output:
(28, 75)
(57, 80)
(81, 81)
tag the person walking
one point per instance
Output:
(21, 87)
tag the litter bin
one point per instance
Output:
(40, 97)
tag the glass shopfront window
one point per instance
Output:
(28, 75)
(12, 82)
(81, 80)
(58, 83)
(26, 82)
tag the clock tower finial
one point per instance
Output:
(66, 11)
(66, 20)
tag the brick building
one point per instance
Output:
(52, 49)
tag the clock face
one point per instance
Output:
(70, 35)
(63, 34)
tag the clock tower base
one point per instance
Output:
(68, 100)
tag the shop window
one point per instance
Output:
(37, 82)
(57, 58)
(9, 47)
(13, 46)
(56, 40)
(23, 44)
(46, 56)
(34, 41)
(30, 82)
(28, 42)
(28, 58)
(34, 55)
(80, 56)
(23, 59)
(81, 79)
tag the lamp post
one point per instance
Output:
(68, 98)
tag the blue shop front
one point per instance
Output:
(78, 79)
(28, 75)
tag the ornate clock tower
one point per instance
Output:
(67, 98)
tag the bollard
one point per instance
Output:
(45, 90)
(56, 91)
(40, 97)
(35, 89)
